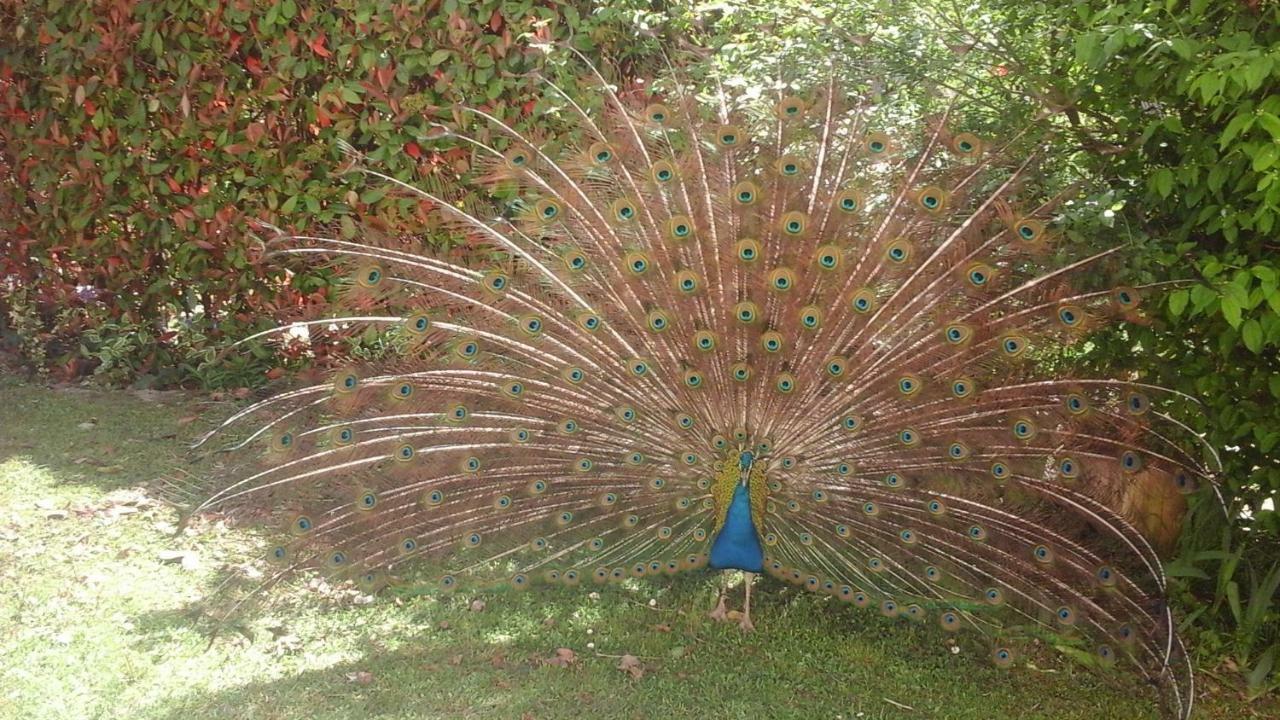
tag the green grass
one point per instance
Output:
(94, 625)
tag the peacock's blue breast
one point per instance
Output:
(737, 546)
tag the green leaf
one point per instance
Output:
(1162, 181)
(1239, 124)
(1178, 302)
(1251, 333)
(1231, 311)
(1266, 157)
(1270, 123)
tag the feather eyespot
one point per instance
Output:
(1076, 403)
(931, 198)
(782, 279)
(979, 274)
(1126, 298)
(957, 334)
(1029, 230)
(637, 263)
(851, 423)
(746, 311)
(909, 437)
(788, 166)
(432, 498)
(1130, 461)
(909, 385)
(1069, 468)
(638, 367)
(771, 341)
(1024, 429)
(531, 325)
(574, 260)
(467, 349)
(686, 281)
(729, 136)
(692, 379)
(704, 340)
(658, 320)
(600, 153)
(748, 250)
(898, 252)
(537, 487)
(624, 210)
(369, 276)
(663, 172)
(949, 621)
(810, 317)
(836, 366)
(516, 158)
(1070, 316)
(495, 282)
(1002, 657)
(789, 108)
(417, 324)
(876, 143)
(966, 144)
(745, 193)
(849, 201)
(863, 301)
(962, 388)
(657, 113)
(1135, 403)
(999, 470)
(680, 228)
(547, 209)
(958, 451)
(828, 257)
(785, 383)
(793, 223)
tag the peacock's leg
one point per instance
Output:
(745, 623)
(719, 614)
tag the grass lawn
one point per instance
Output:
(97, 593)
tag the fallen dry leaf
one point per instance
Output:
(630, 664)
(477, 606)
(564, 657)
(662, 627)
(361, 677)
(456, 660)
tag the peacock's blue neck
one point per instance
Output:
(737, 545)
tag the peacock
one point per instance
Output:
(780, 332)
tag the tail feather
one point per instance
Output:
(872, 306)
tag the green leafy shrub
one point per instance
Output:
(138, 139)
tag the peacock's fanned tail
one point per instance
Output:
(874, 314)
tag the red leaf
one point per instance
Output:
(253, 65)
(317, 46)
(495, 21)
(412, 150)
(385, 76)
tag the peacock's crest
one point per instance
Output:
(872, 313)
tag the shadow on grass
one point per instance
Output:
(102, 439)
(811, 657)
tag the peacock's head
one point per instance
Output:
(745, 459)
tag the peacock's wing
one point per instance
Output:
(875, 309)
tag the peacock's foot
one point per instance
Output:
(745, 623)
(719, 614)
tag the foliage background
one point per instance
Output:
(138, 141)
